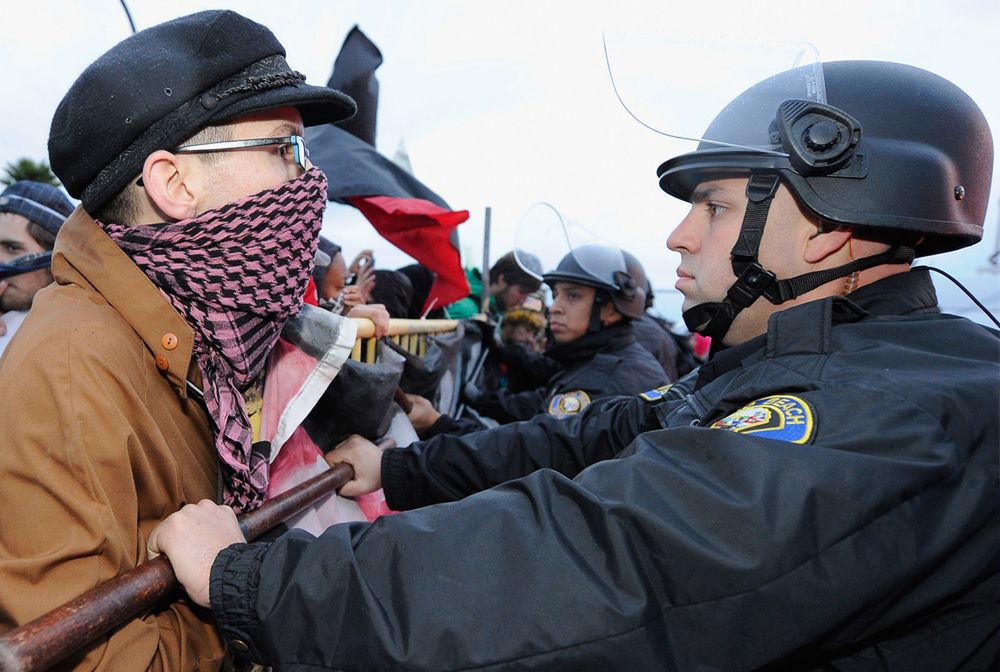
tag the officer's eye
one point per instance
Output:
(715, 209)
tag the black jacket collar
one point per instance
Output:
(608, 339)
(900, 294)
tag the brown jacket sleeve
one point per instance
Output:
(97, 447)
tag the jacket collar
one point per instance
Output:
(84, 255)
(899, 294)
(609, 339)
(808, 328)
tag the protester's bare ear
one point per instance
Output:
(827, 241)
(167, 180)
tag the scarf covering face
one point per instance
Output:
(235, 274)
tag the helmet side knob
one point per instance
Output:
(822, 136)
(819, 139)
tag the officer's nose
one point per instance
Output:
(684, 237)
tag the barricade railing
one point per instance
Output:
(411, 335)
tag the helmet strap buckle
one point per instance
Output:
(761, 187)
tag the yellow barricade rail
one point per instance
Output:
(410, 334)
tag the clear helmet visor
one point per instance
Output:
(677, 89)
(565, 247)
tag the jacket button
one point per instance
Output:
(240, 645)
(162, 363)
(169, 341)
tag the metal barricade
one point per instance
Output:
(411, 335)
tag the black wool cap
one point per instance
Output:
(164, 84)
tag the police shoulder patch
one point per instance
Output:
(657, 393)
(568, 403)
(782, 417)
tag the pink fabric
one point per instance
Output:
(235, 274)
(287, 372)
(299, 458)
(702, 344)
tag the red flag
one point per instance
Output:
(425, 231)
(312, 294)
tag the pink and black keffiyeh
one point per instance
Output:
(235, 274)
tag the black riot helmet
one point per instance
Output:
(895, 150)
(610, 269)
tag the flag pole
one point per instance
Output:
(484, 306)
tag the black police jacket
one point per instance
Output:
(655, 335)
(608, 362)
(822, 497)
(595, 365)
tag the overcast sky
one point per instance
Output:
(504, 104)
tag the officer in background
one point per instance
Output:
(822, 494)
(656, 335)
(598, 292)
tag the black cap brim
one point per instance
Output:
(318, 105)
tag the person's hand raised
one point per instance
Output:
(375, 312)
(364, 258)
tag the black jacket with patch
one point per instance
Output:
(687, 533)
(609, 362)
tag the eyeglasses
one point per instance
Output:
(294, 143)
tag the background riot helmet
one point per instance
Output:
(606, 268)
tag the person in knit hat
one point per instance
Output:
(31, 214)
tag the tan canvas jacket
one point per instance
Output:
(100, 441)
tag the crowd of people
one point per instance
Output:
(819, 491)
(595, 338)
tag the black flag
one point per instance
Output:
(354, 74)
(400, 207)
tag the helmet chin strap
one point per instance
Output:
(595, 313)
(714, 319)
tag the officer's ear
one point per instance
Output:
(171, 182)
(827, 241)
(609, 314)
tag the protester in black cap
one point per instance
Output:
(30, 216)
(199, 219)
(344, 289)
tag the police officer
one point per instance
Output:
(656, 335)
(822, 494)
(597, 292)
